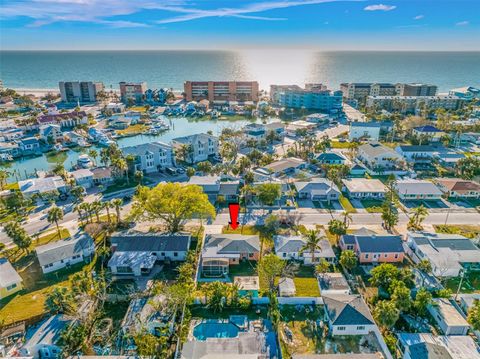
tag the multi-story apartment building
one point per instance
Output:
(196, 148)
(151, 157)
(410, 104)
(276, 90)
(415, 89)
(132, 91)
(221, 91)
(80, 91)
(312, 97)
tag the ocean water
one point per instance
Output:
(44, 69)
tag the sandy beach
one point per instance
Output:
(36, 92)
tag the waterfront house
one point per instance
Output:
(283, 167)
(199, 147)
(11, 134)
(378, 157)
(136, 254)
(318, 189)
(83, 177)
(458, 188)
(448, 254)
(363, 188)
(374, 248)
(331, 158)
(29, 145)
(116, 107)
(358, 170)
(65, 253)
(290, 248)
(348, 315)
(417, 153)
(259, 131)
(222, 250)
(102, 176)
(43, 185)
(64, 120)
(447, 317)
(151, 157)
(120, 123)
(74, 139)
(428, 131)
(368, 130)
(470, 138)
(9, 149)
(413, 189)
(10, 281)
(50, 133)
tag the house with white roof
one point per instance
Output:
(413, 189)
(10, 281)
(333, 283)
(447, 317)
(448, 254)
(102, 176)
(43, 185)
(318, 189)
(290, 248)
(151, 157)
(64, 253)
(83, 177)
(51, 133)
(283, 167)
(376, 156)
(360, 188)
(365, 130)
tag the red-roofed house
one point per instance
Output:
(459, 188)
(64, 120)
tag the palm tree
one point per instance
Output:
(3, 178)
(107, 206)
(347, 218)
(96, 208)
(86, 208)
(117, 204)
(138, 176)
(419, 214)
(312, 243)
(121, 165)
(53, 216)
(93, 154)
(78, 208)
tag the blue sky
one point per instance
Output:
(236, 24)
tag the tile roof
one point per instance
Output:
(458, 185)
(60, 116)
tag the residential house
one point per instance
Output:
(294, 127)
(447, 317)
(222, 250)
(318, 189)
(376, 156)
(430, 346)
(430, 132)
(64, 253)
(102, 176)
(137, 254)
(11, 134)
(373, 248)
(284, 167)
(333, 283)
(10, 281)
(43, 185)
(65, 120)
(363, 188)
(317, 118)
(151, 157)
(413, 189)
(29, 145)
(83, 177)
(448, 254)
(9, 150)
(368, 130)
(417, 153)
(467, 300)
(74, 139)
(51, 133)
(213, 187)
(470, 138)
(458, 188)
(259, 131)
(348, 315)
(331, 158)
(199, 147)
(292, 248)
(358, 170)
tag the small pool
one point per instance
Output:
(215, 330)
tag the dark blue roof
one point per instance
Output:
(330, 156)
(382, 244)
(427, 128)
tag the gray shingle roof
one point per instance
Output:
(429, 351)
(150, 243)
(233, 243)
(65, 248)
(8, 275)
(347, 310)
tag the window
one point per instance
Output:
(341, 328)
(396, 255)
(385, 255)
(250, 255)
(284, 255)
(12, 286)
(175, 254)
(162, 254)
(366, 255)
(361, 327)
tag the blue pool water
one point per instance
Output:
(215, 330)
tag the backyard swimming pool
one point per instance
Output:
(215, 330)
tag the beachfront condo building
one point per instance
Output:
(311, 97)
(359, 91)
(80, 91)
(132, 91)
(411, 104)
(221, 92)
(416, 90)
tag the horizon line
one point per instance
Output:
(237, 50)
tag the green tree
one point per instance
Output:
(190, 171)
(138, 175)
(78, 193)
(172, 203)
(322, 267)
(269, 268)
(268, 193)
(312, 243)
(348, 260)
(94, 155)
(18, 235)
(474, 315)
(205, 167)
(60, 300)
(73, 339)
(117, 204)
(3, 178)
(418, 216)
(151, 346)
(216, 293)
(337, 227)
(386, 313)
(468, 167)
(54, 215)
(421, 302)
(401, 297)
(389, 214)
(384, 275)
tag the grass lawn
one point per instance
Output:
(465, 230)
(121, 185)
(137, 108)
(338, 144)
(132, 130)
(245, 268)
(306, 287)
(10, 186)
(471, 283)
(347, 206)
(372, 205)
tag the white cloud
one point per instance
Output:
(418, 17)
(462, 23)
(379, 7)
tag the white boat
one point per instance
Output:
(84, 161)
(5, 157)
